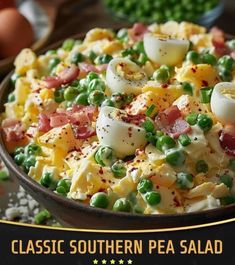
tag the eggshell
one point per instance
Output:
(16, 32)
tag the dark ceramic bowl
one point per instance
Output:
(79, 215)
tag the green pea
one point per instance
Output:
(83, 84)
(82, 99)
(144, 186)
(208, 59)
(47, 180)
(193, 57)
(99, 200)
(91, 76)
(226, 75)
(227, 180)
(92, 56)
(96, 84)
(187, 87)
(77, 58)
(175, 157)
(14, 78)
(70, 93)
(53, 62)
(68, 44)
(104, 156)
(184, 180)
(103, 59)
(119, 169)
(232, 164)
(165, 142)
(227, 62)
(65, 184)
(153, 198)
(41, 217)
(96, 98)
(227, 200)
(161, 75)
(204, 122)
(59, 95)
(122, 205)
(201, 166)
(148, 125)
(184, 139)
(19, 159)
(28, 163)
(107, 102)
(137, 209)
(19, 150)
(33, 149)
(192, 118)
(51, 52)
(11, 97)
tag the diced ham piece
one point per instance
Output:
(218, 41)
(171, 122)
(58, 119)
(80, 117)
(179, 127)
(43, 123)
(227, 139)
(83, 132)
(13, 129)
(66, 76)
(137, 32)
(69, 74)
(87, 68)
(232, 54)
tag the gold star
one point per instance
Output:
(129, 261)
(121, 261)
(104, 261)
(95, 261)
(112, 261)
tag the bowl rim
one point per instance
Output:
(69, 203)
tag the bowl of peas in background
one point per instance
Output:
(148, 11)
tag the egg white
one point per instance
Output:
(223, 102)
(119, 83)
(122, 137)
(164, 50)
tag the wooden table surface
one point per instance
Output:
(84, 15)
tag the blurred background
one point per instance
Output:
(37, 23)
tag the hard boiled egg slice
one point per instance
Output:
(124, 138)
(223, 102)
(162, 49)
(125, 76)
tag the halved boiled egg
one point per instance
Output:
(223, 102)
(125, 76)
(113, 131)
(162, 49)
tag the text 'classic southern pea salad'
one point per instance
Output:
(138, 121)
